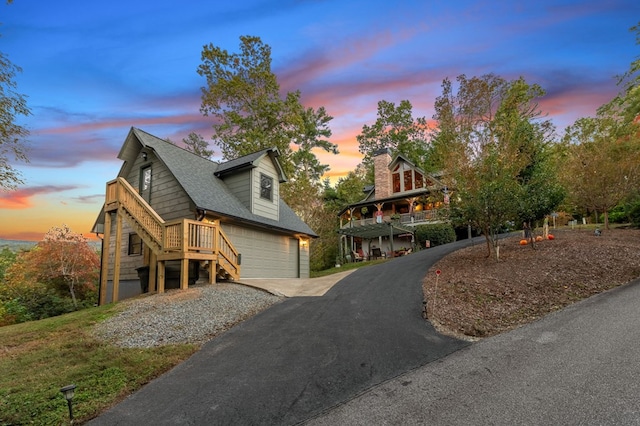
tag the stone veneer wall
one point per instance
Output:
(381, 161)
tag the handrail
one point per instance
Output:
(121, 191)
(181, 236)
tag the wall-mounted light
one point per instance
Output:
(144, 155)
(68, 392)
(303, 243)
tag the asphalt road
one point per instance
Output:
(578, 366)
(302, 356)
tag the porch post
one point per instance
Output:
(104, 265)
(161, 276)
(116, 267)
(153, 267)
(184, 274)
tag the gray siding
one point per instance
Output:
(168, 199)
(240, 185)
(261, 206)
(264, 254)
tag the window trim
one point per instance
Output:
(135, 244)
(264, 180)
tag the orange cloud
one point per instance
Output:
(22, 198)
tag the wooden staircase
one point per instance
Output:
(181, 240)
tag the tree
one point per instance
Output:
(601, 167)
(313, 133)
(491, 141)
(396, 129)
(195, 143)
(12, 105)
(243, 95)
(65, 258)
(602, 154)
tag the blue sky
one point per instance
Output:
(93, 69)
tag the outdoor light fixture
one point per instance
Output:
(144, 155)
(68, 392)
(303, 243)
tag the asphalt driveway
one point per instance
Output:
(303, 355)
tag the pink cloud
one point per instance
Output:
(22, 198)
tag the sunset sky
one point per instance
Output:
(94, 69)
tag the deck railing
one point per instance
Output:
(179, 237)
(419, 217)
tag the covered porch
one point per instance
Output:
(376, 240)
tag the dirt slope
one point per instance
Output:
(479, 297)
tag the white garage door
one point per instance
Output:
(264, 255)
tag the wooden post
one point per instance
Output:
(153, 266)
(161, 277)
(116, 266)
(184, 274)
(104, 266)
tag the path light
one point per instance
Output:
(68, 392)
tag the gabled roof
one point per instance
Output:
(251, 161)
(401, 158)
(197, 176)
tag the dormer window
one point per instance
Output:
(404, 177)
(266, 187)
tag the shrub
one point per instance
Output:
(436, 233)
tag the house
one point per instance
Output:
(172, 218)
(383, 223)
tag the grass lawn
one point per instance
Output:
(38, 358)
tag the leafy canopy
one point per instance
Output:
(243, 96)
(12, 135)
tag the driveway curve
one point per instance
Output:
(303, 355)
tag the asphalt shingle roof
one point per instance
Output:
(196, 175)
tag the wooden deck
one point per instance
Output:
(182, 240)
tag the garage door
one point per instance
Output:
(264, 255)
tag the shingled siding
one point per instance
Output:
(261, 206)
(265, 255)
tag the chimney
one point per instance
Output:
(381, 160)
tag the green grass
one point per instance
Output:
(38, 358)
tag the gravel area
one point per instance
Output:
(195, 315)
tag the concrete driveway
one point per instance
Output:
(301, 356)
(296, 287)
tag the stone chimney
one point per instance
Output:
(381, 160)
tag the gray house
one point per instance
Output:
(172, 218)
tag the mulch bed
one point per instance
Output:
(478, 296)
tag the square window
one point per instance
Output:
(135, 245)
(266, 187)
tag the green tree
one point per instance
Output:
(12, 135)
(601, 166)
(7, 258)
(396, 129)
(491, 142)
(314, 133)
(243, 96)
(602, 154)
(195, 143)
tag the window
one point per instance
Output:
(266, 187)
(396, 182)
(408, 180)
(419, 180)
(145, 183)
(135, 245)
